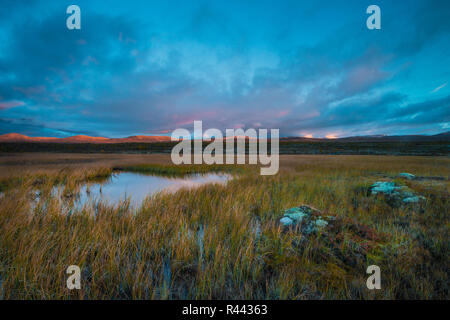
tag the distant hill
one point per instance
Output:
(16, 137)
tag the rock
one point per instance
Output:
(413, 199)
(321, 223)
(297, 214)
(396, 195)
(286, 221)
(305, 216)
(406, 175)
(384, 187)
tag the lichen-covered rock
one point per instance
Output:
(337, 238)
(306, 217)
(321, 223)
(385, 187)
(407, 175)
(297, 214)
(413, 199)
(396, 195)
(286, 221)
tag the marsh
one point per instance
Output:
(221, 240)
(136, 187)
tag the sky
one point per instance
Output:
(308, 68)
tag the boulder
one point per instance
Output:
(395, 194)
(384, 187)
(286, 221)
(413, 199)
(406, 175)
(309, 218)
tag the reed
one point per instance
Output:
(224, 241)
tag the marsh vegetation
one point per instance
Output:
(224, 241)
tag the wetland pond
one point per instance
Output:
(137, 186)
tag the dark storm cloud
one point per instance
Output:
(425, 112)
(43, 54)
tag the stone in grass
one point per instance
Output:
(308, 217)
(321, 223)
(286, 221)
(297, 214)
(413, 199)
(407, 175)
(396, 194)
(384, 187)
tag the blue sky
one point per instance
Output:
(309, 68)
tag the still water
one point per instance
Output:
(137, 186)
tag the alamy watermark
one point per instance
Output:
(214, 151)
(374, 281)
(374, 20)
(74, 20)
(74, 279)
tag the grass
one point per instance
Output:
(423, 148)
(177, 171)
(225, 242)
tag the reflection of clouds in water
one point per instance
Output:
(138, 186)
(172, 185)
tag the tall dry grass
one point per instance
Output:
(225, 242)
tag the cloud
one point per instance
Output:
(130, 75)
(439, 88)
(10, 104)
(426, 112)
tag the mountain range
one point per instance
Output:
(16, 137)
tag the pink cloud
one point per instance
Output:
(363, 77)
(282, 113)
(11, 104)
(195, 115)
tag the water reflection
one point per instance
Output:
(138, 186)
